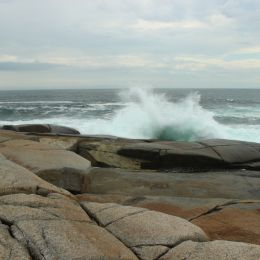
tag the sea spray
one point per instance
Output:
(151, 115)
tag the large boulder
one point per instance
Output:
(40, 128)
(56, 227)
(224, 250)
(148, 233)
(17, 179)
(186, 156)
(59, 167)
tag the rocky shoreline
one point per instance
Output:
(69, 196)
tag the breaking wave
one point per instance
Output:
(151, 115)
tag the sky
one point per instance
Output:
(123, 43)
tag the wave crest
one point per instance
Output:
(150, 115)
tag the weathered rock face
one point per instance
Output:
(237, 222)
(41, 221)
(138, 228)
(56, 227)
(6, 135)
(226, 219)
(59, 167)
(213, 250)
(104, 153)
(16, 179)
(226, 184)
(39, 128)
(136, 154)
(10, 248)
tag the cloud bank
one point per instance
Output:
(114, 43)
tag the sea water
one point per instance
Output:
(167, 114)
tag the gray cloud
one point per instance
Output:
(116, 42)
(20, 66)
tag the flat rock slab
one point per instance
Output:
(10, 248)
(210, 153)
(138, 227)
(220, 184)
(17, 179)
(6, 135)
(59, 167)
(237, 222)
(224, 250)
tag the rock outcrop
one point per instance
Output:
(184, 156)
(135, 199)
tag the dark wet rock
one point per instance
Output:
(188, 156)
(213, 250)
(40, 128)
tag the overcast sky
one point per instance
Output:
(122, 43)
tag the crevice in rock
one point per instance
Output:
(32, 249)
(214, 209)
(9, 226)
(93, 218)
(212, 148)
(162, 254)
(90, 215)
(128, 215)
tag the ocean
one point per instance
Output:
(166, 114)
